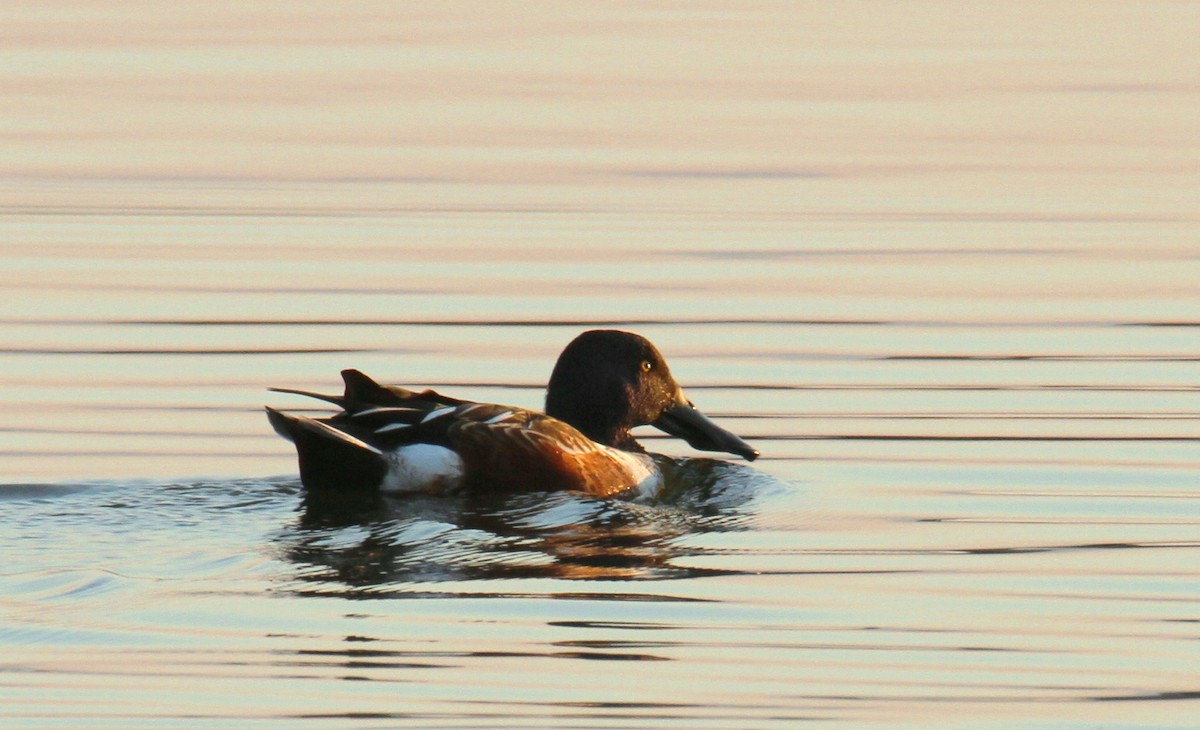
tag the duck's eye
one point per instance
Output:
(647, 366)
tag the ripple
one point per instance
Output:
(69, 586)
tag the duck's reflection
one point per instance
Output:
(373, 540)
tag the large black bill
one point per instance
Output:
(689, 424)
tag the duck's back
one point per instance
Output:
(398, 440)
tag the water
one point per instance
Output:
(937, 263)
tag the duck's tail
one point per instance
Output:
(330, 459)
(337, 400)
(360, 388)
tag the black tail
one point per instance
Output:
(337, 400)
(330, 459)
(362, 389)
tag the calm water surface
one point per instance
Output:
(939, 264)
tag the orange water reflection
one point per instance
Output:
(940, 258)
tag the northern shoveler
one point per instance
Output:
(605, 382)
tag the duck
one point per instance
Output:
(390, 439)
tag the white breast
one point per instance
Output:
(649, 479)
(422, 468)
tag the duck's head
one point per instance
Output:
(607, 381)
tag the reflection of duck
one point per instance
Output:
(358, 544)
(605, 383)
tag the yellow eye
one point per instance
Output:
(647, 366)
